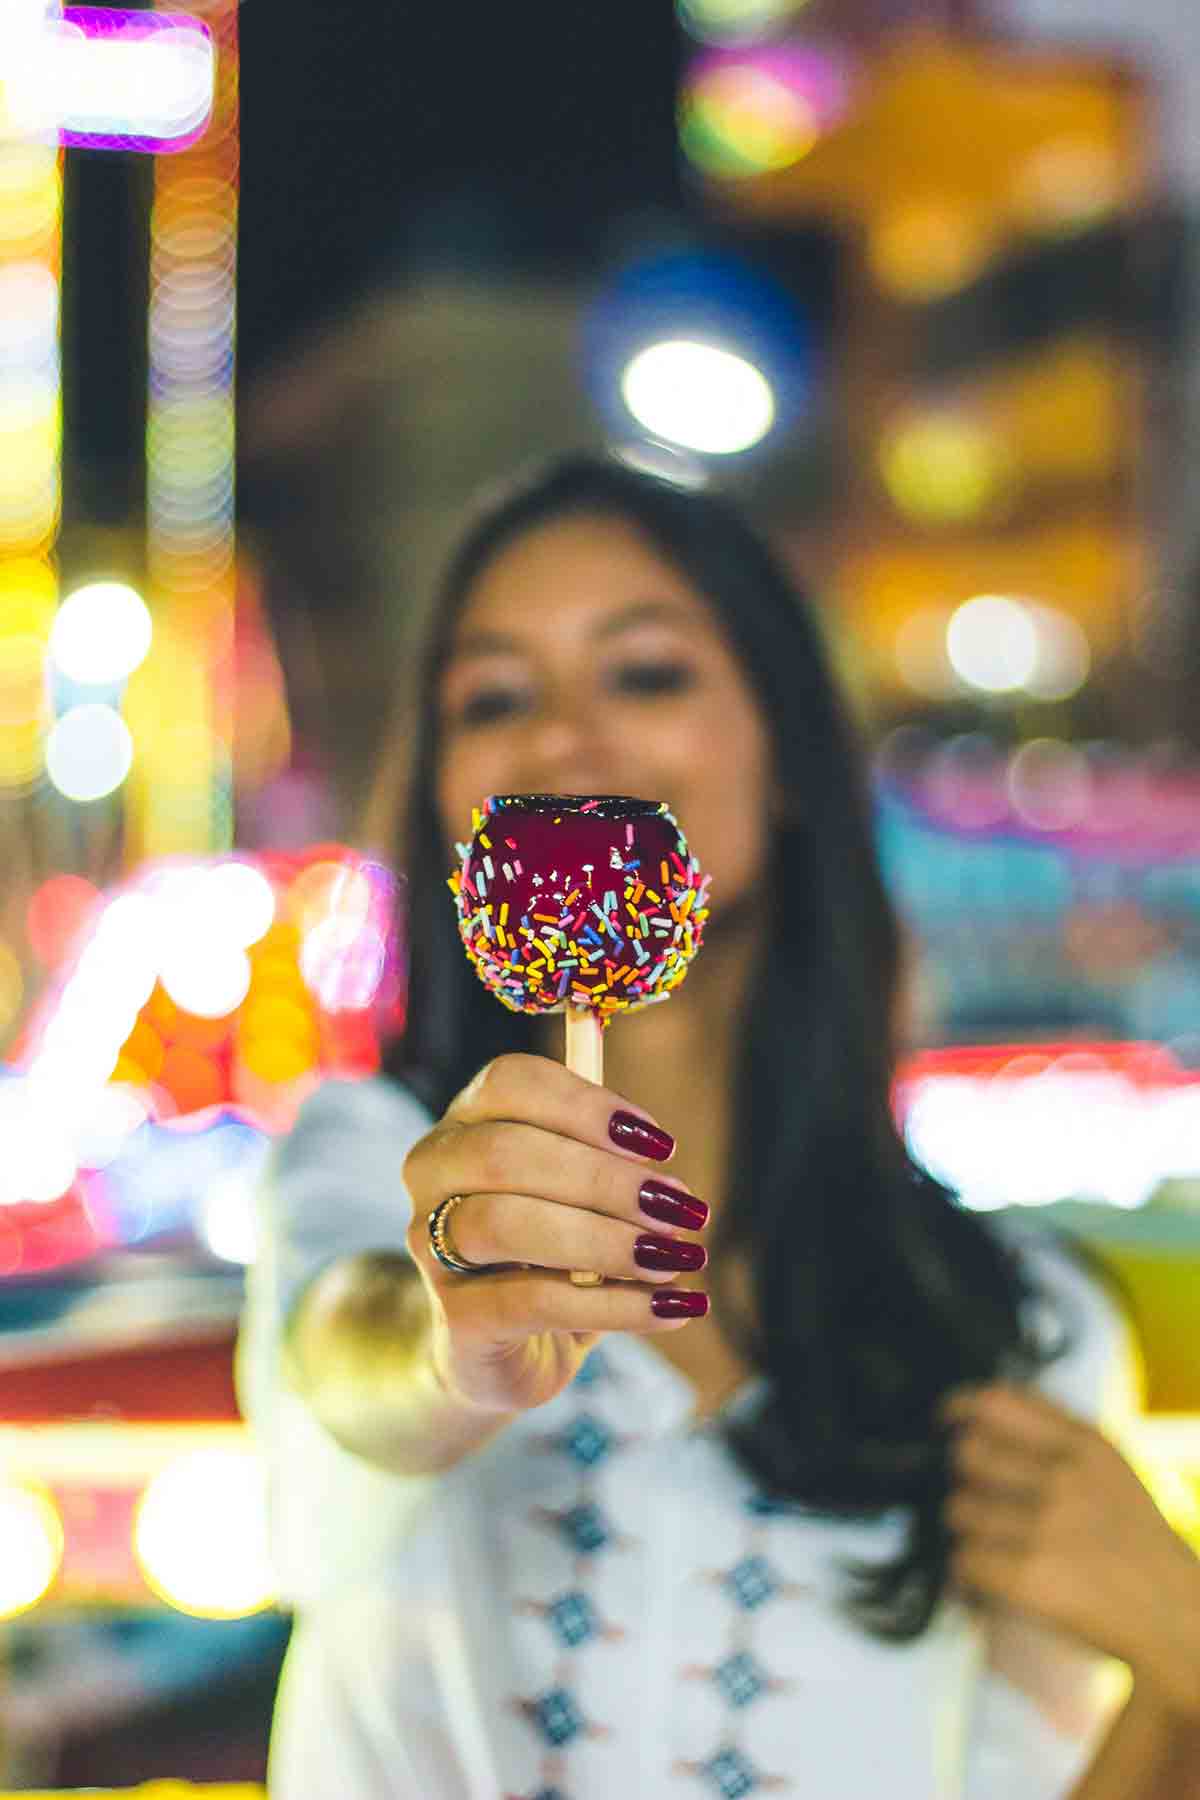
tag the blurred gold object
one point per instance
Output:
(154, 1790)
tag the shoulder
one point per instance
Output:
(372, 1104)
(334, 1184)
(355, 1119)
(1077, 1318)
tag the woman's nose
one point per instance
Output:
(565, 746)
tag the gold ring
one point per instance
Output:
(439, 1239)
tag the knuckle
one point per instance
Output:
(410, 1168)
(497, 1088)
(492, 1156)
(599, 1183)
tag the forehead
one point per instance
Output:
(569, 574)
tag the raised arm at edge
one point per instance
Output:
(1151, 1752)
(357, 1350)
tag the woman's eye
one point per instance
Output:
(653, 678)
(488, 705)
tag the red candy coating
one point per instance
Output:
(569, 900)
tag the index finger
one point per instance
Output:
(533, 1090)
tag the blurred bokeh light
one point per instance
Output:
(735, 21)
(704, 351)
(200, 1534)
(31, 1545)
(89, 752)
(700, 397)
(101, 634)
(113, 78)
(751, 112)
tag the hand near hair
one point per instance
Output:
(1050, 1520)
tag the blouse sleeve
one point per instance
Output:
(332, 1188)
(1043, 1702)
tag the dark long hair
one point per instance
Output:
(873, 1290)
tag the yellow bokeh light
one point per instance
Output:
(923, 252)
(22, 680)
(944, 467)
(31, 1545)
(200, 1535)
(741, 120)
(274, 1015)
(278, 1059)
(1070, 184)
(12, 986)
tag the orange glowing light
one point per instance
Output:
(145, 1050)
(193, 1080)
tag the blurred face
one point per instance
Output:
(585, 663)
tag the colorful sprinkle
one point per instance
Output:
(562, 953)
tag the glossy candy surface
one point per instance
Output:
(576, 900)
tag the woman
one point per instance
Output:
(822, 1514)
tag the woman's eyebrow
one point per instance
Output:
(640, 612)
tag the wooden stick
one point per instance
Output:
(585, 1056)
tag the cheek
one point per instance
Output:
(465, 780)
(727, 783)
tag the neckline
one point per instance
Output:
(671, 1386)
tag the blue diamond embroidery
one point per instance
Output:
(730, 1774)
(752, 1582)
(770, 1506)
(593, 1370)
(557, 1716)
(574, 1619)
(587, 1440)
(585, 1527)
(740, 1679)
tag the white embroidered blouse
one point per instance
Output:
(601, 1604)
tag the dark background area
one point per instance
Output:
(376, 140)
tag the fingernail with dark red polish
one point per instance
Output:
(671, 1207)
(661, 1253)
(668, 1304)
(638, 1135)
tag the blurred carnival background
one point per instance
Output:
(279, 287)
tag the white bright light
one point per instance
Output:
(121, 961)
(200, 1534)
(209, 979)
(107, 1122)
(700, 397)
(227, 1214)
(241, 902)
(343, 964)
(992, 643)
(101, 634)
(1064, 657)
(31, 1546)
(37, 1165)
(1069, 1133)
(28, 315)
(158, 84)
(89, 752)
